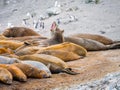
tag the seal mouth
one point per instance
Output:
(54, 26)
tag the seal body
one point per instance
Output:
(7, 60)
(63, 55)
(5, 76)
(55, 64)
(38, 65)
(15, 71)
(99, 38)
(90, 44)
(31, 71)
(10, 44)
(19, 32)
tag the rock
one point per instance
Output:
(53, 11)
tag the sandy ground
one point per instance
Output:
(93, 67)
(92, 18)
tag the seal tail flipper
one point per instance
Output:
(116, 41)
(114, 46)
(69, 71)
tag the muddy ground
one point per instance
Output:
(93, 67)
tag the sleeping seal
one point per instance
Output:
(38, 65)
(55, 64)
(15, 71)
(5, 76)
(31, 71)
(7, 60)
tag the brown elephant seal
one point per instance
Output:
(63, 55)
(7, 60)
(5, 76)
(66, 47)
(27, 50)
(2, 37)
(38, 65)
(70, 47)
(31, 71)
(5, 51)
(91, 45)
(56, 36)
(27, 38)
(15, 71)
(11, 44)
(55, 64)
(99, 38)
(19, 32)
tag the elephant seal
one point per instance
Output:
(15, 71)
(7, 60)
(5, 51)
(5, 76)
(38, 65)
(99, 38)
(27, 50)
(31, 71)
(63, 55)
(67, 46)
(19, 32)
(91, 45)
(11, 44)
(55, 64)
(2, 37)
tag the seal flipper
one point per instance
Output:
(69, 71)
(115, 46)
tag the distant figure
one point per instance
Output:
(89, 1)
(57, 4)
(29, 15)
(72, 18)
(35, 24)
(41, 24)
(24, 22)
(10, 25)
(58, 21)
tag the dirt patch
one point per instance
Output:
(94, 66)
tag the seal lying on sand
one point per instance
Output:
(91, 45)
(38, 65)
(63, 55)
(11, 44)
(99, 38)
(27, 38)
(5, 50)
(15, 71)
(19, 32)
(5, 76)
(7, 60)
(65, 47)
(31, 71)
(55, 64)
